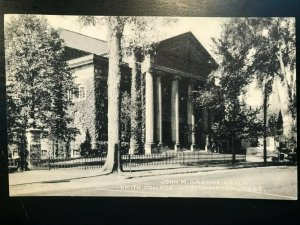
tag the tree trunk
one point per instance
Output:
(113, 162)
(56, 148)
(265, 106)
(233, 149)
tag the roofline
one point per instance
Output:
(199, 43)
(89, 59)
(82, 34)
(174, 37)
(193, 36)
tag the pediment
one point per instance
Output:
(186, 53)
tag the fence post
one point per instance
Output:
(49, 165)
(129, 162)
(166, 157)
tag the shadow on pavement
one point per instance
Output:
(60, 181)
(183, 168)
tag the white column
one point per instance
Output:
(175, 114)
(191, 116)
(158, 111)
(149, 112)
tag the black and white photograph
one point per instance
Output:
(151, 106)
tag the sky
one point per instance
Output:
(204, 29)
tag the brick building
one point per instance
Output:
(179, 66)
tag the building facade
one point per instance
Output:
(178, 66)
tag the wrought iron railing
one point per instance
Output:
(129, 161)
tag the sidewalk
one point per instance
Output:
(65, 175)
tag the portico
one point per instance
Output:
(178, 65)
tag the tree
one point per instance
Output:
(125, 122)
(16, 128)
(275, 54)
(86, 146)
(263, 48)
(275, 124)
(237, 121)
(116, 26)
(64, 83)
(38, 76)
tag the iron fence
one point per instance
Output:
(183, 158)
(166, 158)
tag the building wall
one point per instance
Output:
(258, 150)
(83, 110)
(270, 143)
(91, 113)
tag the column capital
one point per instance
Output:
(146, 65)
(190, 91)
(159, 73)
(176, 77)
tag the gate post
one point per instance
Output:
(33, 137)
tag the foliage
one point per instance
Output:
(136, 117)
(38, 78)
(86, 146)
(235, 120)
(275, 52)
(101, 105)
(117, 26)
(275, 56)
(101, 148)
(35, 154)
(125, 120)
(251, 47)
(275, 123)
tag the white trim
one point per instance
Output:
(82, 61)
(177, 72)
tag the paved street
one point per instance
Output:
(257, 183)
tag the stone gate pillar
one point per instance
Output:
(33, 137)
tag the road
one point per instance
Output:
(253, 183)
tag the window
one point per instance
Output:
(78, 93)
